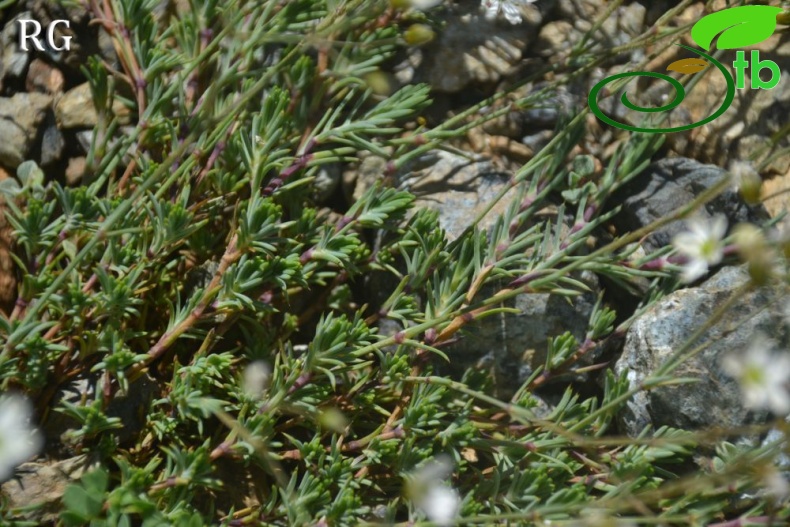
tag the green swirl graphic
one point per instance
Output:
(680, 94)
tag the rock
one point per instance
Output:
(75, 171)
(52, 143)
(511, 346)
(75, 108)
(537, 141)
(473, 49)
(13, 60)
(556, 37)
(43, 78)
(84, 139)
(41, 484)
(327, 178)
(669, 184)
(129, 407)
(625, 23)
(358, 179)
(21, 115)
(661, 331)
(561, 101)
(457, 187)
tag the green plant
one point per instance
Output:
(236, 106)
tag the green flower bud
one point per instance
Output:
(418, 34)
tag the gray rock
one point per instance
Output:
(13, 61)
(473, 49)
(20, 116)
(14, 144)
(458, 188)
(85, 138)
(625, 23)
(653, 338)
(327, 178)
(42, 484)
(130, 407)
(511, 346)
(52, 143)
(75, 108)
(669, 184)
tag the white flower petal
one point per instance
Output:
(511, 12)
(424, 4)
(718, 227)
(441, 504)
(18, 439)
(694, 269)
(762, 375)
(257, 375)
(490, 8)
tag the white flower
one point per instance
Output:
(256, 378)
(775, 484)
(762, 374)
(701, 245)
(18, 440)
(747, 181)
(430, 493)
(441, 504)
(508, 8)
(424, 4)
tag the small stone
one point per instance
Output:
(21, 114)
(537, 141)
(43, 78)
(327, 179)
(556, 37)
(52, 143)
(357, 180)
(85, 138)
(75, 109)
(75, 171)
(13, 60)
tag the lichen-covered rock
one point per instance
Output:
(659, 333)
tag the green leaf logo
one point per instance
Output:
(739, 26)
